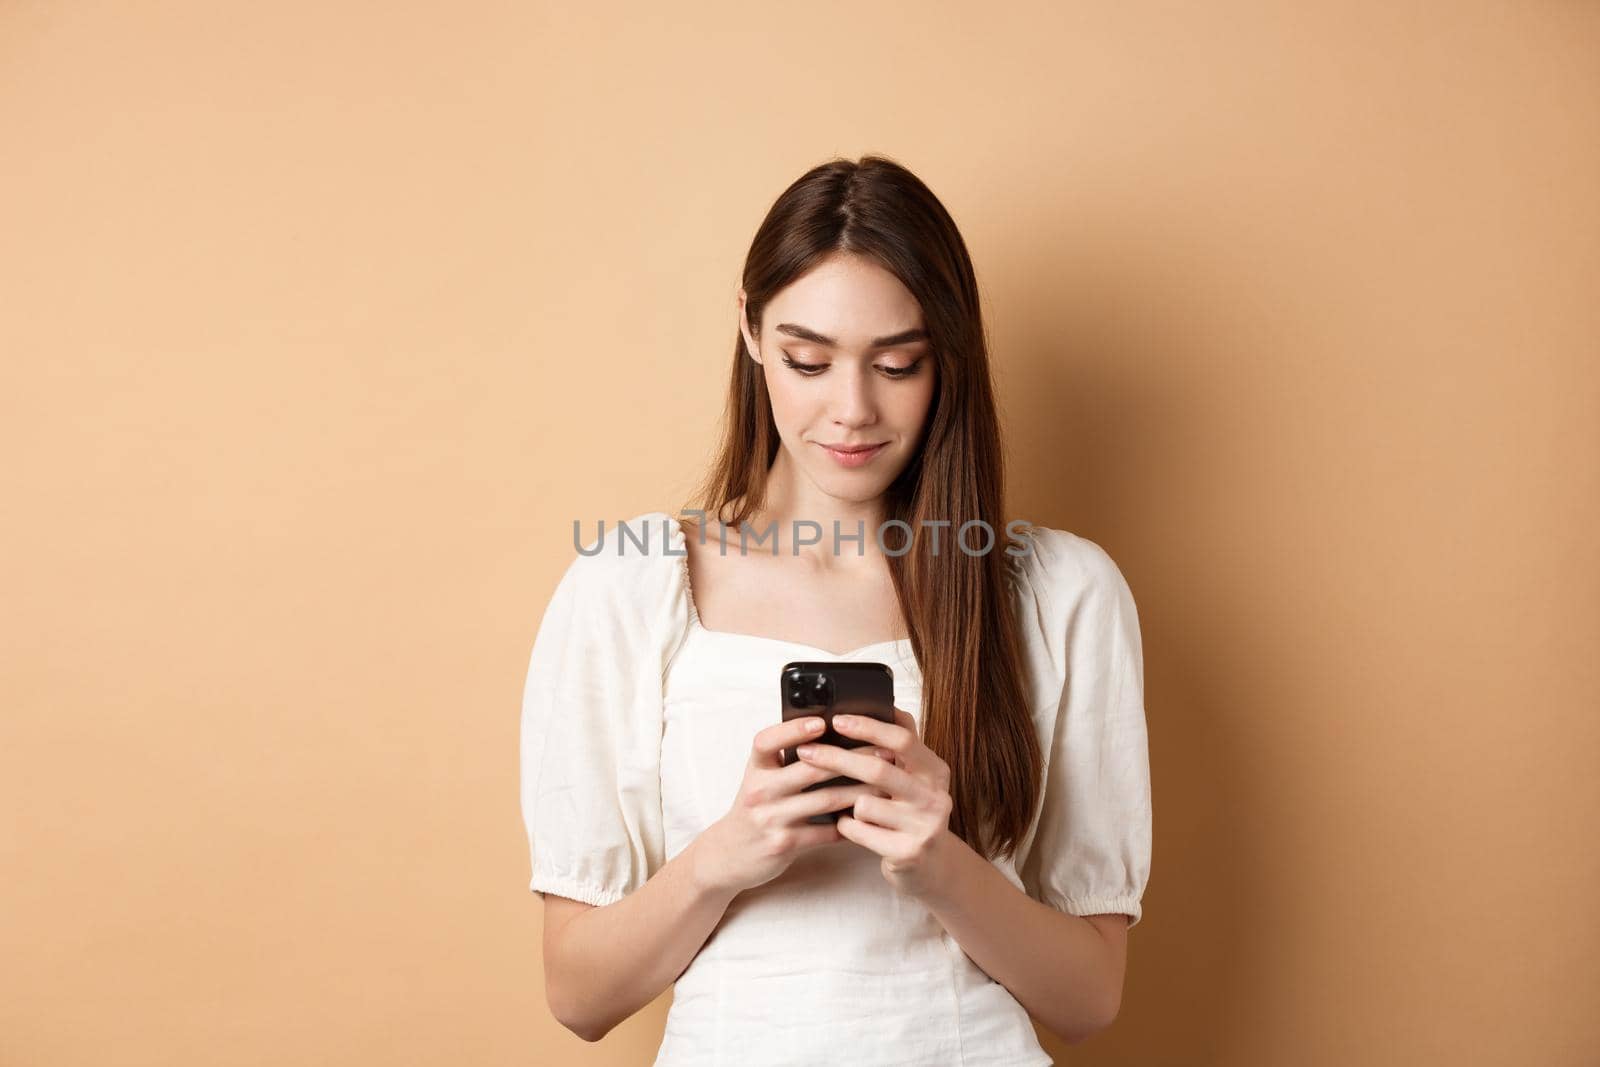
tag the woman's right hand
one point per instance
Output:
(766, 830)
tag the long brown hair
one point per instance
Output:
(958, 607)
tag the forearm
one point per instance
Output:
(1056, 965)
(610, 961)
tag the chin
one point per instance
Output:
(857, 489)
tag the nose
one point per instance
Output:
(852, 402)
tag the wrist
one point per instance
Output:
(701, 870)
(943, 871)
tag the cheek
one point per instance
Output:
(911, 406)
(788, 403)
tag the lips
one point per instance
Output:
(851, 456)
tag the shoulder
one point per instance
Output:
(630, 568)
(1079, 620)
(1067, 572)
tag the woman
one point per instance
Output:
(994, 845)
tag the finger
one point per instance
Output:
(818, 801)
(862, 766)
(887, 812)
(807, 836)
(872, 733)
(799, 774)
(892, 736)
(867, 835)
(767, 743)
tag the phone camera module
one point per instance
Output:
(810, 690)
(821, 690)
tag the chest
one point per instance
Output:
(841, 606)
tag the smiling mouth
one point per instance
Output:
(855, 456)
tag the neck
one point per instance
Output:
(792, 498)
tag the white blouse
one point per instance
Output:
(636, 729)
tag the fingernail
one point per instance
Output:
(806, 750)
(844, 720)
(813, 725)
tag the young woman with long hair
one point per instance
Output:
(993, 846)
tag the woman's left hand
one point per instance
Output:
(910, 826)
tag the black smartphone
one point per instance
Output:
(817, 688)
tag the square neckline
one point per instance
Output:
(696, 624)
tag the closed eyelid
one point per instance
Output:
(871, 359)
(812, 369)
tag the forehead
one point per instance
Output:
(847, 297)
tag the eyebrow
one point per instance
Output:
(804, 334)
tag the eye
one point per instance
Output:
(810, 370)
(903, 372)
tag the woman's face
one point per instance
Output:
(847, 364)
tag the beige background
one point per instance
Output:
(322, 321)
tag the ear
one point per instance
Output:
(745, 332)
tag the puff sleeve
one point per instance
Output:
(1091, 850)
(591, 726)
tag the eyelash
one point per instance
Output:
(811, 370)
